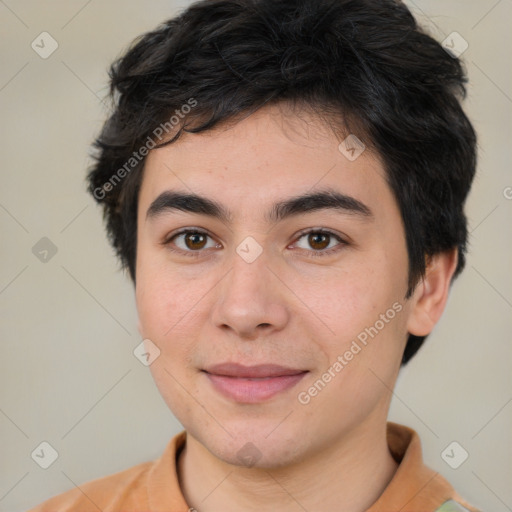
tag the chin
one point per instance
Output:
(252, 444)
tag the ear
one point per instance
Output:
(429, 298)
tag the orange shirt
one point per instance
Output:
(153, 486)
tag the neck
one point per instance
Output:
(348, 475)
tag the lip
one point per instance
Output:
(252, 372)
(252, 384)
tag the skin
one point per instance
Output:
(286, 307)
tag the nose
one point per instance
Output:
(251, 301)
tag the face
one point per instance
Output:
(273, 323)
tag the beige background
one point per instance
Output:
(68, 326)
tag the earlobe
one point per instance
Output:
(431, 294)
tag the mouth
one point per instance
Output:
(252, 384)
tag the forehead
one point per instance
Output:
(267, 156)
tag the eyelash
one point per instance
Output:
(312, 253)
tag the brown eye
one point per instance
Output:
(191, 242)
(195, 241)
(319, 241)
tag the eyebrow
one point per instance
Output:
(325, 199)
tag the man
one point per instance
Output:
(285, 183)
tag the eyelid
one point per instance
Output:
(189, 229)
(327, 231)
(341, 239)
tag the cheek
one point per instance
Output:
(345, 300)
(364, 311)
(167, 318)
(153, 306)
(161, 299)
(169, 309)
(363, 355)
